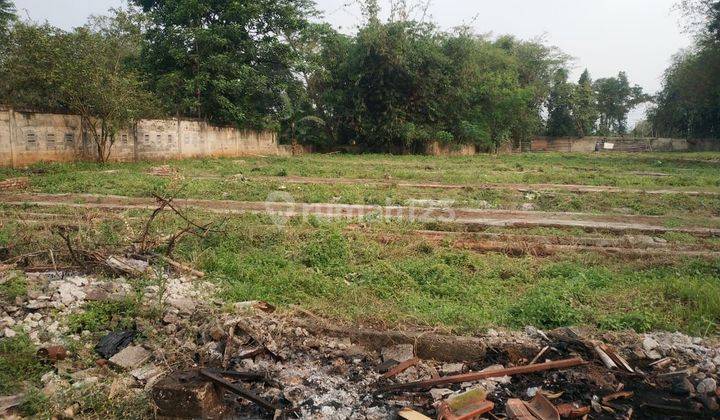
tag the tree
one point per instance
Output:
(689, 103)
(97, 85)
(616, 98)
(225, 61)
(7, 15)
(703, 18)
(86, 72)
(584, 106)
(560, 107)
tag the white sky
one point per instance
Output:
(606, 36)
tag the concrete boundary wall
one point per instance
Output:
(29, 137)
(621, 144)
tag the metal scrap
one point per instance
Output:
(617, 395)
(466, 406)
(477, 376)
(238, 390)
(400, 368)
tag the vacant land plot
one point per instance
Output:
(615, 241)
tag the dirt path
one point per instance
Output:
(519, 245)
(486, 186)
(470, 217)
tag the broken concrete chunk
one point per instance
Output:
(129, 266)
(707, 386)
(440, 393)
(650, 344)
(453, 368)
(184, 305)
(400, 352)
(130, 357)
(184, 395)
(147, 372)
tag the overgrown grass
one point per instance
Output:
(214, 179)
(14, 285)
(104, 315)
(18, 364)
(352, 276)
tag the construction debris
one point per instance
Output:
(111, 344)
(52, 353)
(223, 383)
(410, 414)
(186, 395)
(130, 357)
(266, 361)
(466, 406)
(476, 376)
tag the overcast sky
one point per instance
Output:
(606, 36)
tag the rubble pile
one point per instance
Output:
(198, 357)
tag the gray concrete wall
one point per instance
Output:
(27, 138)
(620, 144)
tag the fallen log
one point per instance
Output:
(477, 376)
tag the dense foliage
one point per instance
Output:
(394, 85)
(226, 61)
(689, 103)
(88, 72)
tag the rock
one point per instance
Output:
(440, 393)
(400, 352)
(527, 207)
(8, 333)
(130, 357)
(129, 266)
(683, 386)
(650, 344)
(147, 373)
(184, 305)
(531, 392)
(453, 368)
(96, 294)
(34, 305)
(71, 411)
(707, 386)
(710, 402)
(217, 333)
(70, 293)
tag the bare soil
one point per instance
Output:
(469, 217)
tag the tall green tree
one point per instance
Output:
(616, 98)
(584, 106)
(560, 107)
(227, 61)
(689, 103)
(87, 72)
